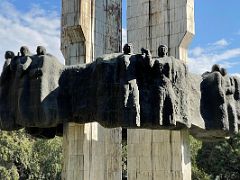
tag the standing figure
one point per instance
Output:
(167, 95)
(214, 109)
(7, 99)
(128, 86)
(24, 61)
(22, 82)
(229, 89)
(163, 95)
(236, 96)
(9, 55)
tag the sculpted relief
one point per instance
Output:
(124, 90)
(220, 99)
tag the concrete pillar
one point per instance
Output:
(91, 152)
(155, 155)
(90, 29)
(161, 154)
(154, 22)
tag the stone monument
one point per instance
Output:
(88, 100)
(149, 24)
(133, 91)
(91, 28)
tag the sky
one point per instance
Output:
(37, 22)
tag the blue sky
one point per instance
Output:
(37, 22)
(217, 38)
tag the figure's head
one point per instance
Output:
(162, 51)
(41, 50)
(24, 51)
(215, 68)
(223, 71)
(127, 48)
(9, 55)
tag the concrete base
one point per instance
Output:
(156, 155)
(91, 152)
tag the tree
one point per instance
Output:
(49, 157)
(15, 149)
(24, 157)
(221, 159)
(197, 172)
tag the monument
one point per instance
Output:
(150, 92)
(149, 24)
(89, 30)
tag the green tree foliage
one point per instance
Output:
(23, 157)
(221, 159)
(197, 172)
(216, 160)
(48, 154)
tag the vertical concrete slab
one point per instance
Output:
(90, 28)
(76, 31)
(160, 154)
(154, 22)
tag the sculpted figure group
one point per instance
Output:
(118, 90)
(26, 80)
(220, 99)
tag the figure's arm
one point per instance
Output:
(35, 73)
(237, 88)
(230, 90)
(26, 64)
(220, 82)
(23, 67)
(147, 56)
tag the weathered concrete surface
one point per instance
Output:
(118, 90)
(95, 155)
(219, 104)
(90, 29)
(158, 155)
(29, 87)
(126, 91)
(169, 22)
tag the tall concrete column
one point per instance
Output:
(154, 22)
(90, 28)
(91, 152)
(156, 154)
